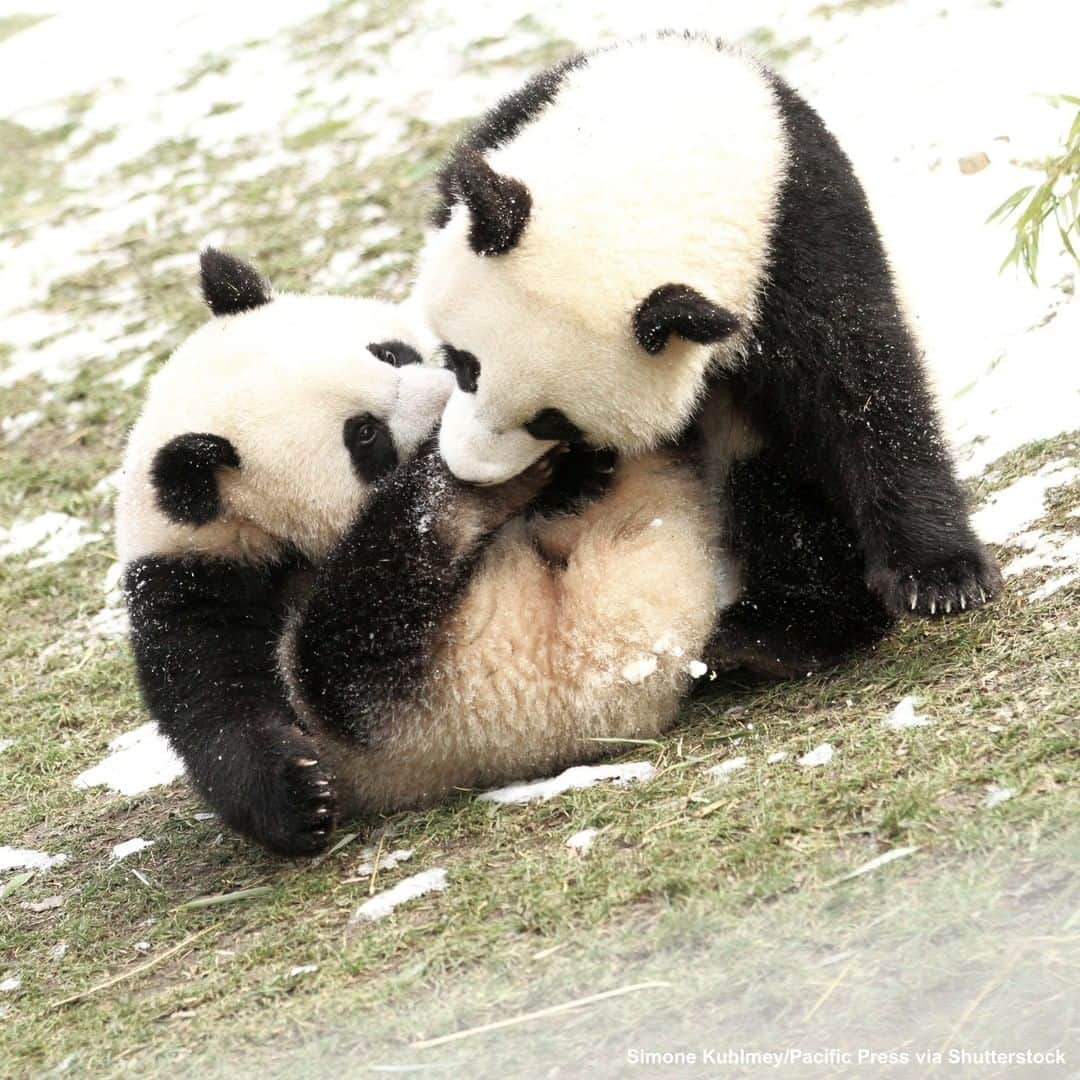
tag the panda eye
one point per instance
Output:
(395, 353)
(370, 445)
(464, 365)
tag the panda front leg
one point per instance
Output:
(203, 634)
(884, 458)
(364, 637)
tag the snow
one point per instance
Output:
(573, 779)
(776, 757)
(637, 671)
(726, 768)
(129, 847)
(6, 743)
(996, 795)
(410, 888)
(581, 841)
(56, 536)
(14, 427)
(384, 862)
(138, 760)
(10, 984)
(904, 716)
(1018, 506)
(1045, 550)
(28, 859)
(820, 755)
(695, 669)
(303, 969)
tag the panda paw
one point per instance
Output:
(299, 800)
(949, 587)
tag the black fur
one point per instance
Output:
(464, 365)
(554, 424)
(395, 353)
(499, 126)
(834, 385)
(203, 632)
(229, 285)
(579, 475)
(679, 309)
(371, 447)
(183, 473)
(365, 634)
(499, 206)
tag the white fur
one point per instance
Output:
(278, 382)
(660, 161)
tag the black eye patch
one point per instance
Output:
(370, 445)
(554, 425)
(395, 353)
(464, 365)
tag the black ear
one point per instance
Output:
(229, 285)
(182, 473)
(679, 309)
(499, 206)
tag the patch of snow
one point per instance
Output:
(14, 427)
(820, 755)
(129, 847)
(138, 760)
(57, 536)
(696, 668)
(582, 841)
(637, 671)
(58, 952)
(726, 768)
(50, 903)
(996, 795)
(656, 523)
(386, 862)
(1046, 550)
(10, 984)
(904, 716)
(1053, 585)
(573, 779)
(28, 859)
(302, 969)
(410, 888)
(1018, 506)
(776, 757)
(6, 743)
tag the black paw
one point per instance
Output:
(948, 587)
(286, 800)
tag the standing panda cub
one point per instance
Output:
(325, 622)
(662, 238)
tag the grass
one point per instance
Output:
(195, 954)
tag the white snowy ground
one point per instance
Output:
(190, 118)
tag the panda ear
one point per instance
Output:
(229, 285)
(679, 309)
(184, 477)
(499, 206)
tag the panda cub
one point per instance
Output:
(325, 622)
(661, 239)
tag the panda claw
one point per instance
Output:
(948, 607)
(963, 602)
(305, 763)
(933, 607)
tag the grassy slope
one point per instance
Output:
(718, 889)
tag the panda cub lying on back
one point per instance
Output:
(324, 622)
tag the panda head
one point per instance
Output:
(600, 246)
(265, 430)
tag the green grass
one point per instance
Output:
(721, 890)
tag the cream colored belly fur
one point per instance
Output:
(540, 659)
